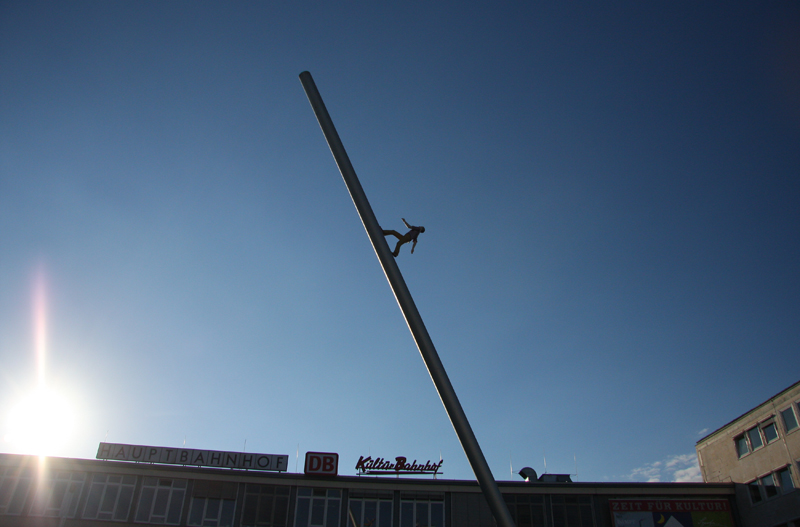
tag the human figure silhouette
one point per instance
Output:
(410, 236)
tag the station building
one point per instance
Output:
(151, 485)
(759, 451)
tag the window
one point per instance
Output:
(789, 419)
(770, 431)
(317, 507)
(768, 482)
(14, 486)
(527, 511)
(755, 438)
(741, 446)
(58, 495)
(213, 503)
(370, 510)
(161, 501)
(769, 486)
(785, 478)
(109, 498)
(572, 511)
(265, 506)
(755, 491)
(421, 510)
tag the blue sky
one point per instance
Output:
(610, 194)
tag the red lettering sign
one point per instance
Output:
(689, 505)
(321, 464)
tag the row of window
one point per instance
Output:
(771, 485)
(766, 431)
(161, 501)
(112, 497)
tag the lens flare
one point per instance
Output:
(41, 421)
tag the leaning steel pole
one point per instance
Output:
(429, 355)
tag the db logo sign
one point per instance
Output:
(321, 464)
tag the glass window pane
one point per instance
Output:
(145, 504)
(370, 512)
(265, 508)
(249, 509)
(175, 507)
(437, 515)
(385, 512)
(281, 511)
(407, 514)
(162, 498)
(789, 419)
(6, 489)
(59, 489)
(226, 517)
(124, 503)
(586, 515)
(333, 513)
(110, 498)
(755, 438)
(355, 510)
(93, 502)
(785, 476)
(212, 508)
(19, 496)
(770, 432)
(741, 446)
(302, 512)
(317, 511)
(768, 482)
(422, 514)
(196, 513)
(523, 515)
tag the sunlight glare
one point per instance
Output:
(40, 423)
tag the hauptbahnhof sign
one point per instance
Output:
(187, 456)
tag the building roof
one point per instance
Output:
(755, 408)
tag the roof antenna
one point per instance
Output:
(510, 467)
(545, 462)
(576, 466)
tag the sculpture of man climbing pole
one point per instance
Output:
(405, 238)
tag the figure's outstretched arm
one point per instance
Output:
(404, 221)
(413, 245)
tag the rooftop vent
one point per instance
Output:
(555, 478)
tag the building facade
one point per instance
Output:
(60, 492)
(760, 452)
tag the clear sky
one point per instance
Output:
(611, 196)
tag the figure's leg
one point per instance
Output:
(400, 241)
(393, 233)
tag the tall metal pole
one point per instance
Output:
(429, 355)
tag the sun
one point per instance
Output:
(40, 423)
